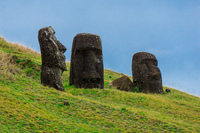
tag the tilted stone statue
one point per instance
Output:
(123, 83)
(53, 59)
(146, 75)
(86, 62)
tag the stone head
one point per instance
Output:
(51, 49)
(146, 74)
(86, 61)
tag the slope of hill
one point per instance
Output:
(27, 106)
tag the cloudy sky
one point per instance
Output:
(169, 29)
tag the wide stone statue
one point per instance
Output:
(53, 59)
(86, 61)
(146, 74)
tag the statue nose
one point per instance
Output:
(90, 61)
(155, 72)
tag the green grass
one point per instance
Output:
(27, 106)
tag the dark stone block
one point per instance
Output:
(87, 62)
(146, 74)
(66, 103)
(123, 84)
(167, 90)
(53, 59)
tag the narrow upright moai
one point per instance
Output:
(146, 74)
(53, 58)
(86, 69)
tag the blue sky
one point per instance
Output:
(169, 29)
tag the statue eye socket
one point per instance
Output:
(98, 53)
(79, 52)
(144, 62)
(155, 63)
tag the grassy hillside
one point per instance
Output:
(27, 106)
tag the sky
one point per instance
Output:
(169, 29)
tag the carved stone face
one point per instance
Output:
(51, 49)
(146, 75)
(86, 61)
(53, 59)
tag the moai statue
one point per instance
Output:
(86, 62)
(146, 75)
(53, 59)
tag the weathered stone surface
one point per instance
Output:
(53, 59)
(168, 90)
(123, 83)
(146, 75)
(66, 103)
(86, 61)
